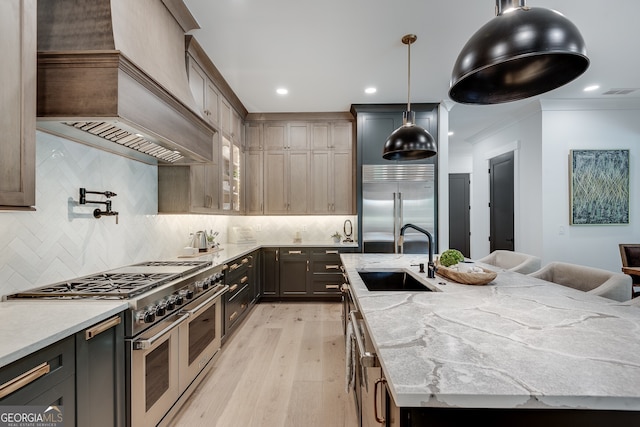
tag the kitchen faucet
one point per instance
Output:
(431, 268)
(97, 213)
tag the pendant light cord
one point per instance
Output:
(409, 78)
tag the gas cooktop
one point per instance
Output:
(120, 283)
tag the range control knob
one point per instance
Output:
(161, 310)
(189, 294)
(149, 316)
(179, 299)
(206, 283)
(171, 303)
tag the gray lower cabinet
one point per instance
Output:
(294, 272)
(301, 272)
(240, 278)
(82, 374)
(44, 378)
(100, 376)
(270, 272)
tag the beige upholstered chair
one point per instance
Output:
(615, 286)
(513, 261)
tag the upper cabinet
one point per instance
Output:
(18, 100)
(301, 164)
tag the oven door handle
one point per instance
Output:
(144, 344)
(202, 305)
(367, 359)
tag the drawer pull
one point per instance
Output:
(332, 252)
(243, 306)
(233, 287)
(244, 279)
(332, 286)
(25, 379)
(233, 315)
(104, 326)
(295, 252)
(245, 260)
(379, 382)
(234, 267)
(332, 267)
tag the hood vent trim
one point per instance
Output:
(127, 139)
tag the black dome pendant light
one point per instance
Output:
(522, 52)
(409, 141)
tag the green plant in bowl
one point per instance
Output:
(451, 257)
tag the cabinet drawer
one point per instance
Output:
(326, 254)
(326, 267)
(294, 253)
(238, 266)
(327, 284)
(237, 284)
(33, 375)
(236, 306)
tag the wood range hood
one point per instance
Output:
(112, 74)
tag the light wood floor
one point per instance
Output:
(284, 367)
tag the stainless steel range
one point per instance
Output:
(173, 327)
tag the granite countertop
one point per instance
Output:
(518, 342)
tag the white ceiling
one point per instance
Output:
(327, 51)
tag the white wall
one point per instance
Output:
(542, 138)
(589, 125)
(523, 136)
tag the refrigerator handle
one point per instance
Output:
(395, 223)
(400, 212)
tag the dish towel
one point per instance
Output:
(350, 359)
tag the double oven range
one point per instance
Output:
(173, 327)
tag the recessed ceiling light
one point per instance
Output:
(282, 91)
(591, 88)
(450, 132)
(370, 90)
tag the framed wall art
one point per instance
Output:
(599, 187)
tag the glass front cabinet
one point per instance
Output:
(230, 169)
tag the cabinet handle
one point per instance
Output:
(295, 252)
(233, 287)
(25, 379)
(277, 254)
(332, 286)
(331, 252)
(332, 267)
(234, 267)
(233, 315)
(243, 306)
(307, 265)
(100, 328)
(382, 381)
(244, 279)
(245, 260)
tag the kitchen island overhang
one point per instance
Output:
(516, 343)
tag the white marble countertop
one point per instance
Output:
(30, 325)
(517, 342)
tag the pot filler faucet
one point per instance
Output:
(97, 213)
(431, 268)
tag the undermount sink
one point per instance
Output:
(392, 281)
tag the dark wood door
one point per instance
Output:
(501, 202)
(459, 213)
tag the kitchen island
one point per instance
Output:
(516, 344)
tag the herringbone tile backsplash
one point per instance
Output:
(62, 240)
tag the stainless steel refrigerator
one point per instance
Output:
(394, 195)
